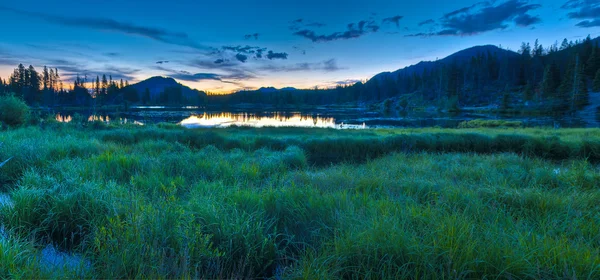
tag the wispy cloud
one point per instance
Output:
(347, 82)
(426, 22)
(324, 66)
(250, 36)
(588, 11)
(394, 19)
(483, 17)
(353, 30)
(157, 34)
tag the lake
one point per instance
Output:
(320, 117)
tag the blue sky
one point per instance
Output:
(222, 46)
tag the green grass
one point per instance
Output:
(167, 202)
(490, 124)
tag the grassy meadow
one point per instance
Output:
(162, 201)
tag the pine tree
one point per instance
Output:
(593, 62)
(45, 78)
(104, 85)
(146, 96)
(550, 81)
(596, 83)
(528, 92)
(97, 87)
(565, 44)
(579, 94)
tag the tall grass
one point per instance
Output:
(165, 202)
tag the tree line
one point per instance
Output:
(47, 89)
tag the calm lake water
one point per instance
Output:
(340, 118)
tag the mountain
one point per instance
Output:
(460, 57)
(273, 89)
(159, 85)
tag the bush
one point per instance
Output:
(13, 111)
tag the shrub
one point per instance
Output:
(13, 111)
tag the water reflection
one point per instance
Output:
(274, 120)
(66, 118)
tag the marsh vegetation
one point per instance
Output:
(163, 201)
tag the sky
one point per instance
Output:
(224, 46)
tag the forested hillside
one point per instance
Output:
(557, 77)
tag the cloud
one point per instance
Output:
(471, 21)
(271, 55)
(426, 22)
(241, 57)
(324, 66)
(587, 23)
(526, 20)
(347, 82)
(586, 10)
(466, 9)
(394, 19)
(196, 77)
(69, 70)
(354, 30)
(111, 54)
(244, 49)
(219, 61)
(315, 24)
(242, 53)
(250, 36)
(300, 23)
(162, 62)
(231, 70)
(157, 34)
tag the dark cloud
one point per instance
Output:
(111, 54)
(586, 10)
(158, 34)
(354, 30)
(271, 55)
(242, 53)
(471, 21)
(232, 70)
(394, 19)
(325, 66)
(219, 61)
(588, 23)
(162, 62)
(241, 57)
(244, 49)
(426, 22)
(526, 20)
(250, 36)
(298, 24)
(315, 24)
(466, 9)
(195, 77)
